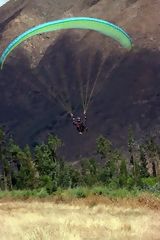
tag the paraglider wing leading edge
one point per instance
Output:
(95, 24)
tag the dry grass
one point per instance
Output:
(78, 221)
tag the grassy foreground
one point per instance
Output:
(35, 220)
(79, 214)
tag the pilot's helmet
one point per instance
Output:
(78, 119)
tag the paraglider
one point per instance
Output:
(79, 123)
(95, 24)
(98, 25)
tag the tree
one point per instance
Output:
(104, 147)
(123, 174)
(131, 144)
(47, 161)
(5, 174)
(109, 172)
(143, 162)
(24, 173)
(89, 171)
(153, 154)
(69, 177)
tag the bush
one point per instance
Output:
(47, 183)
(99, 190)
(156, 188)
(41, 193)
(79, 192)
(24, 194)
(149, 182)
(130, 183)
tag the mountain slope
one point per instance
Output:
(127, 95)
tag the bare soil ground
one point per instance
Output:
(79, 220)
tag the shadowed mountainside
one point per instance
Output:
(127, 95)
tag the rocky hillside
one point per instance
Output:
(127, 95)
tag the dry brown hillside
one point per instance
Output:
(130, 95)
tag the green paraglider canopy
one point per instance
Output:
(99, 25)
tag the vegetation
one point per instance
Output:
(42, 172)
(81, 220)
